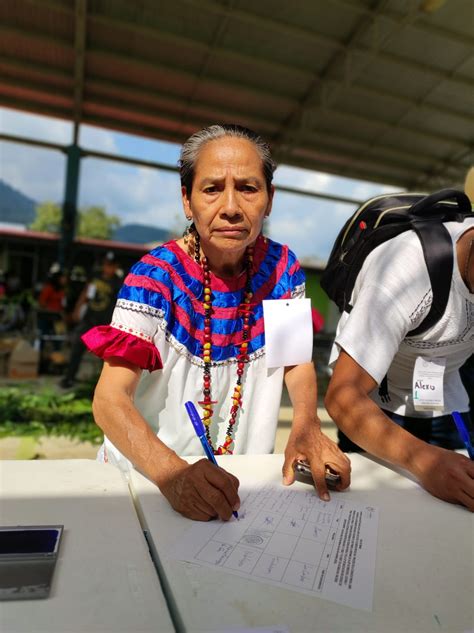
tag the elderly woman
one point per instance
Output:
(188, 325)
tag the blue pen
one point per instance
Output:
(201, 433)
(463, 432)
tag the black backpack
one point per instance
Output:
(384, 217)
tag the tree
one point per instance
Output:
(94, 222)
(91, 221)
(48, 218)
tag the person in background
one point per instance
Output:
(52, 294)
(392, 296)
(15, 304)
(317, 320)
(94, 307)
(76, 282)
(51, 302)
(188, 326)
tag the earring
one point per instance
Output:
(189, 231)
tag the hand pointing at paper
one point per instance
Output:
(306, 440)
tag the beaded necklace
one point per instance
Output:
(242, 357)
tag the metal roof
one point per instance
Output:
(380, 90)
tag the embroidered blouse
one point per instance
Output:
(158, 325)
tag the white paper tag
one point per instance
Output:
(428, 378)
(288, 332)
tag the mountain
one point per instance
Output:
(141, 234)
(15, 206)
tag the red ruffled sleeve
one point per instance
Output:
(106, 341)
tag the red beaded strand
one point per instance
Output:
(242, 358)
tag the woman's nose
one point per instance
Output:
(230, 205)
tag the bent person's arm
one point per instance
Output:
(199, 491)
(441, 472)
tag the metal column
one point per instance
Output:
(69, 216)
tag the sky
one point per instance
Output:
(149, 196)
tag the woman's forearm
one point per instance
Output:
(301, 383)
(116, 414)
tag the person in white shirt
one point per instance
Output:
(370, 396)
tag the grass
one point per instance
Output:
(40, 408)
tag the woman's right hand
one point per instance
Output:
(201, 491)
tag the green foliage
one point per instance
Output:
(91, 221)
(48, 218)
(94, 222)
(26, 411)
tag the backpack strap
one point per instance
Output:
(439, 257)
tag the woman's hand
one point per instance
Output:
(201, 491)
(319, 451)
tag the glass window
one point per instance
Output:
(35, 126)
(128, 145)
(30, 176)
(146, 201)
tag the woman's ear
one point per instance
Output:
(270, 201)
(186, 204)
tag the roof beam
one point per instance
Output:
(53, 73)
(312, 115)
(420, 25)
(258, 92)
(325, 143)
(416, 104)
(285, 30)
(38, 36)
(131, 94)
(269, 64)
(36, 107)
(409, 108)
(329, 141)
(438, 170)
(141, 63)
(216, 38)
(203, 47)
(270, 127)
(297, 122)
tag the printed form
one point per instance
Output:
(289, 537)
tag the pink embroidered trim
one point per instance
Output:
(106, 341)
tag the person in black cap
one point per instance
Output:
(94, 307)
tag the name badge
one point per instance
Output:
(288, 332)
(428, 378)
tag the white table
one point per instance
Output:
(104, 579)
(424, 567)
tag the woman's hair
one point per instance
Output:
(192, 147)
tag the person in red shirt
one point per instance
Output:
(51, 304)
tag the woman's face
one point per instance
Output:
(229, 197)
